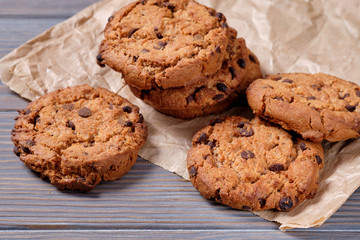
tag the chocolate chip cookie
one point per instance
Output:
(253, 165)
(217, 94)
(79, 136)
(317, 106)
(165, 43)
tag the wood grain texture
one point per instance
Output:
(148, 202)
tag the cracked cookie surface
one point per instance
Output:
(164, 43)
(79, 136)
(253, 165)
(217, 94)
(317, 106)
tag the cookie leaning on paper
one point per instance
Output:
(79, 136)
(164, 43)
(217, 94)
(317, 106)
(253, 164)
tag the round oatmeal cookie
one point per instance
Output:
(317, 106)
(164, 43)
(253, 165)
(79, 136)
(216, 95)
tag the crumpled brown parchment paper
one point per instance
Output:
(287, 36)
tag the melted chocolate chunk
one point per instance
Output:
(252, 58)
(262, 202)
(246, 133)
(127, 109)
(36, 119)
(351, 108)
(285, 204)
(170, 6)
(303, 146)
(84, 112)
(161, 45)
(311, 98)
(276, 167)
(247, 155)
(25, 149)
(193, 171)
(69, 106)
(27, 111)
(99, 60)
(219, 15)
(141, 118)
(242, 124)
(286, 80)
(221, 87)
(70, 124)
(218, 49)
(358, 92)
(143, 2)
(17, 151)
(279, 98)
(218, 97)
(144, 50)
(159, 35)
(232, 72)
(212, 144)
(131, 32)
(318, 159)
(345, 95)
(30, 143)
(241, 62)
(128, 124)
(224, 25)
(316, 87)
(203, 138)
(110, 18)
(215, 121)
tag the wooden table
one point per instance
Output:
(148, 202)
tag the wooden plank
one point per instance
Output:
(42, 8)
(148, 197)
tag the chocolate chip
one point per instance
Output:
(345, 96)
(233, 72)
(316, 87)
(36, 119)
(141, 118)
(70, 124)
(127, 109)
(135, 58)
(189, 99)
(144, 50)
(286, 80)
(351, 108)
(69, 106)
(99, 58)
(215, 121)
(218, 49)
(27, 111)
(247, 154)
(241, 62)
(17, 151)
(276, 167)
(262, 202)
(143, 2)
(25, 149)
(84, 112)
(246, 133)
(358, 92)
(252, 58)
(203, 138)
(193, 171)
(170, 6)
(218, 97)
(311, 98)
(30, 143)
(219, 15)
(221, 87)
(85, 153)
(217, 196)
(159, 35)
(285, 204)
(318, 159)
(131, 32)
(128, 124)
(303, 146)
(279, 98)
(110, 18)
(212, 144)
(161, 45)
(242, 124)
(224, 25)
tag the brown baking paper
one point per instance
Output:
(287, 36)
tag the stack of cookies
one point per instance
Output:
(180, 57)
(256, 164)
